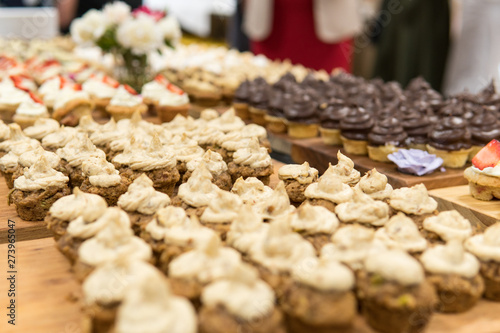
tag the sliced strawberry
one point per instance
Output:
(130, 89)
(77, 87)
(62, 82)
(19, 86)
(35, 98)
(51, 62)
(175, 89)
(110, 81)
(489, 156)
(161, 79)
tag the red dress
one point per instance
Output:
(293, 37)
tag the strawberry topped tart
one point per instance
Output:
(484, 174)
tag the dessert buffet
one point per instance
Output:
(148, 200)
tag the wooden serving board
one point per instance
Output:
(319, 155)
(49, 297)
(481, 213)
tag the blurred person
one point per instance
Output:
(413, 41)
(71, 9)
(315, 33)
(237, 37)
(25, 3)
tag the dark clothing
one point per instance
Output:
(413, 42)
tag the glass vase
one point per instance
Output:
(132, 69)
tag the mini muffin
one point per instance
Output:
(375, 185)
(105, 289)
(302, 116)
(196, 194)
(86, 226)
(275, 116)
(209, 138)
(330, 118)
(185, 150)
(150, 306)
(103, 179)
(152, 91)
(227, 122)
(258, 101)
(141, 202)
(192, 271)
(156, 162)
(363, 209)
(486, 248)
(253, 130)
(447, 226)
(222, 313)
(328, 192)
(101, 90)
(297, 177)
(204, 92)
(174, 101)
(455, 275)
(401, 233)
(29, 158)
(29, 112)
(88, 125)
(215, 164)
(221, 212)
(4, 131)
(247, 230)
(394, 294)
(344, 170)
(124, 103)
(10, 99)
(354, 129)
(230, 143)
(106, 134)
(241, 100)
(252, 161)
(350, 245)
(18, 142)
(8, 166)
(115, 240)
(276, 205)
(172, 233)
(251, 190)
(79, 204)
(320, 297)
(280, 251)
(41, 128)
(59, 138)
(37, 189)
(71, 105)
(385, 138)
(314, 223)
(415, 202)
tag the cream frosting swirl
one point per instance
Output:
(222, 209)
(450, 259)
(199, 190)
(233, 141)
(323, 274)
(115, 240)
(375, 185)
(79, 204)
(253, 155)
(213, 161)
(363, 209)
(30, 108)
(29, 158)
(227, 122)
(141, 197)
(413, 200)
(107, 133)
(247, 229)
(329, 188)
(242, 294)
(100, 172)
(276, 205)
(209, 136)
(67, 95)
(42, 128)
(173, 99)
(486, 246)
(87, 125)
(78, 150)
(4, 131)
(186, 149)
(311, 219)
(253, 130)
(344, 170)
(302, 173)
(39, 177)
(18, 142)
(401, 232)
(153, 90)
(251, 190)
(97, 88)
(87, 226)
(59, 138)
(449, 225)
(9, 163)
(395, 265)
(208, 262)
(123, 97)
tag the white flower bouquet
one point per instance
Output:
(129, 35)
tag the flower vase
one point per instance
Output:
(132, 69)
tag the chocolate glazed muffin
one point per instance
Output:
(416, 126)
(484, 127)
(330, 118)
(385, 138)
(259, 100)
(450, 139)
(302, 116)
(240, 100)
(354, 129)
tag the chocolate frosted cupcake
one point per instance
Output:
(330, 119)
(375, 185)
(385, 138)
(297, 177)
(354, 129)
(320, 297)
(450, 139)
(141, 201)
(415, 202)
(302, 116)
(221, 313)
(37, 189)
(486, 247)
(79, 204)
(416, 126)
(394, 294)
(315, 223)
(241, 100)
(221, 212)
(259, 101)
(455, 275)
(446, 226)
(484, 127)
